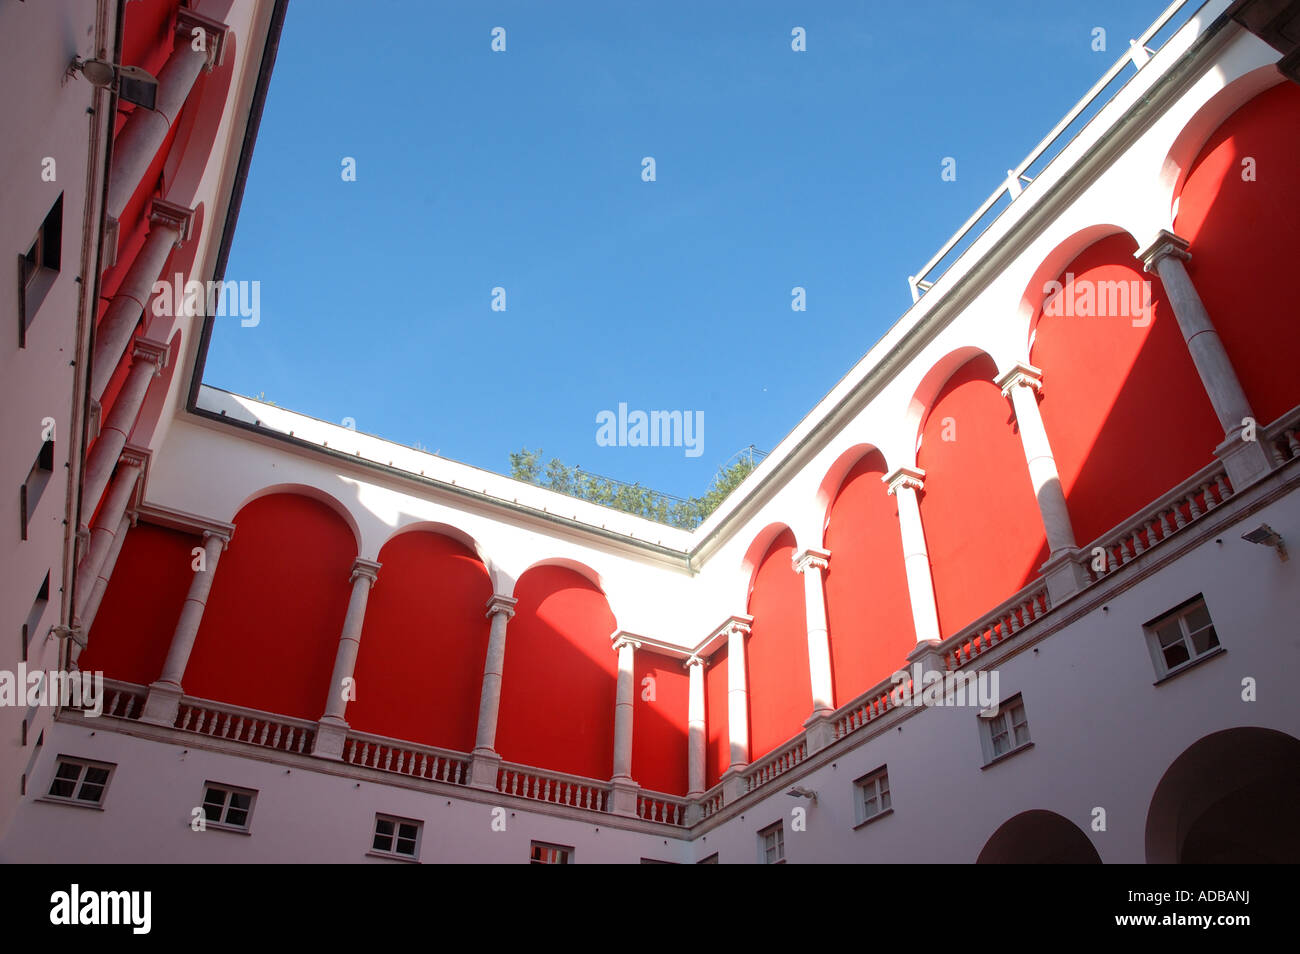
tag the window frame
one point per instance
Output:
(564, 853)
(989, 725)
(1178, 615)
(79, 781)
(223, 823)
(39, 267)
(881, 794)
(395, 836)
(777, 829)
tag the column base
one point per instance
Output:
(1065, 575)
(1245, 461)
(623, 797)
(484, 765)
(819, 730)
(331, 734)
(163, 704)
(733, 784)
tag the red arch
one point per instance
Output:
(419, 669)
(558, 685)
(271, 628)
(1122, 404)
(780, 690)
(868, 611)
(982, 525)
(1243, 237)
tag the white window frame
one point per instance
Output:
(551, 854)
(771, 844)
(79, 782)
(1178, 615)
(396, 821)
(223, 814)
(1011, 716)
(873, 787)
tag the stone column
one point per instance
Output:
(696, 733)
(1063, 572)
(145, 131)
(332, 728)
(1245, 460)
(169, 227)
(103, 533)
(811, 563)
(733, 779)
(905, 483)
(484, 760)
(87, 615)
(149, 358)
(165, 692)
(624, 796)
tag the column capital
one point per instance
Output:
(811, 557)
(187, 21)
(217, 535)
(170, 215)
(906, 478)
(622, 639)
(366, 568)
(1165, 243)
(733, 624)
(501, 604)
(133, 456)
(1020, 375)
(146, 350)
(694, 659)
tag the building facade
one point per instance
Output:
(1016, 589)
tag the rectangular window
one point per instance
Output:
(226, 807)
(711, 860)
(397, 837)
(1181, 637)
(873, 795)
(29, 495)
(33, 621)
(771, 845)
(544, 854)
(80, 781)
(1005, 732)
(38, 268)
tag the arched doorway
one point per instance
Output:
(1039, 838)
(1229, 798)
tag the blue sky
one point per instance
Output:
(522, 170)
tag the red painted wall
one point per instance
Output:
(867, 606)
(1244, 237)
(776, 653)
(717, 754)
(419, 670)
(558, 685)
(1123, 406)
(271, 628)
(982, 526)
(659, 726)
(133, 629)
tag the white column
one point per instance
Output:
(696, 738)
(138, 143)
(150, 357)
(737, 697)
(170, 225)
(484, 760)
(1021, 384)
(626, 689)
(905, 483)
(1245, 460)
(810, 563)
(364, 574)
(87, 615)
(161, 706)
(104, 532)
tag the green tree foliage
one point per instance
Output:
(688, 514)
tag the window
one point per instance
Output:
(38, 268)
(80, 781)
(33, 621)
(29, 495)
(771, 845)
(544, 854)
(397, 837)
(226, 807)
(1006, 731)
(873, 795)
(1182, 637)
(711, 860)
